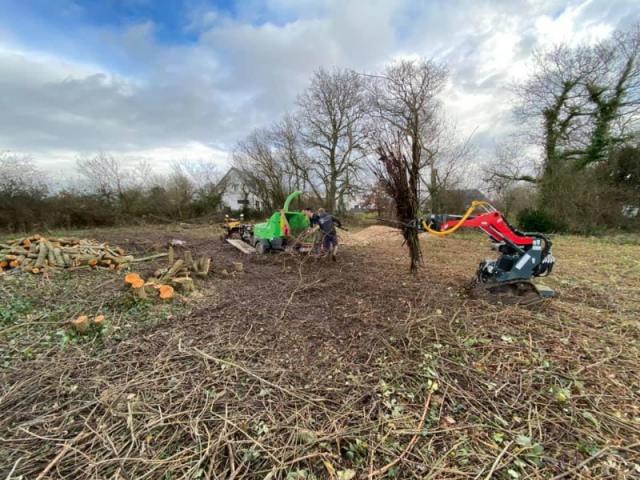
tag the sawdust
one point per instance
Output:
(374, 235)
(371, 235)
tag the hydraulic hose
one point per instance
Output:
(474, 206)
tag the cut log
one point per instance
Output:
(42, 255)
(57, 255)
(51, 259)
(139, 293)
(177, 266)
(183, 284)
(188, 259)
(204, 269)
(119, 259)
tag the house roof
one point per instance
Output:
(233, 171)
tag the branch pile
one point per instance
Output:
(177, 275)
(36, 254)
(183, 267)
(399, 175)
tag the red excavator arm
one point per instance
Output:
(523, 255)
(493, 224)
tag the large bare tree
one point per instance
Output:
(332, 120)
(118, 182)
(263, 169)
(404, 105)
(405, 114)
(285, 136)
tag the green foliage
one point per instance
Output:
(531, 220)
(357, 450)
(531, 451)
(14, 310)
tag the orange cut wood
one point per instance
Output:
(166, 292)
(131, 277)
(81, 324)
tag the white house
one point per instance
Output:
(237, 192)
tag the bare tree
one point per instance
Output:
(201, 172)
(447, 157)
(508, 167)
(404, 102)
(18, 174)
(296, 164)
(105, 175)
(509, 176)
(332, 114)
(264, 171)
(376, 198)
(179, 191)
(22, 190)
(121, 185)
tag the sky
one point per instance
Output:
(170, 80)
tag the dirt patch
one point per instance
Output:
(304, 368)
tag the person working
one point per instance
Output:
(327, 225)
(313, 217)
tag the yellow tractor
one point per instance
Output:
(232, 227)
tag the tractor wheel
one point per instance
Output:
(262, 247)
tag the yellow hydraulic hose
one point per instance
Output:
(474, 205)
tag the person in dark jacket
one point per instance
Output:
(313, 216)
(327, 224)
(313, 228)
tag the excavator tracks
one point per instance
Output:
(515, 292)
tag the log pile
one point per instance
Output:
(37, 253)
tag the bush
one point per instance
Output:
(531, 220)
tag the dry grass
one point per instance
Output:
(305, 369)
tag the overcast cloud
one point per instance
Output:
(145, 79)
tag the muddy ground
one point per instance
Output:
(301, 368)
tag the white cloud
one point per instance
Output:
(571, 27)
(139, 97)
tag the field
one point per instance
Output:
(299, 368)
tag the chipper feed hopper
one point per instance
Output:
(280, 232)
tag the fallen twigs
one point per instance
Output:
(410, 445)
